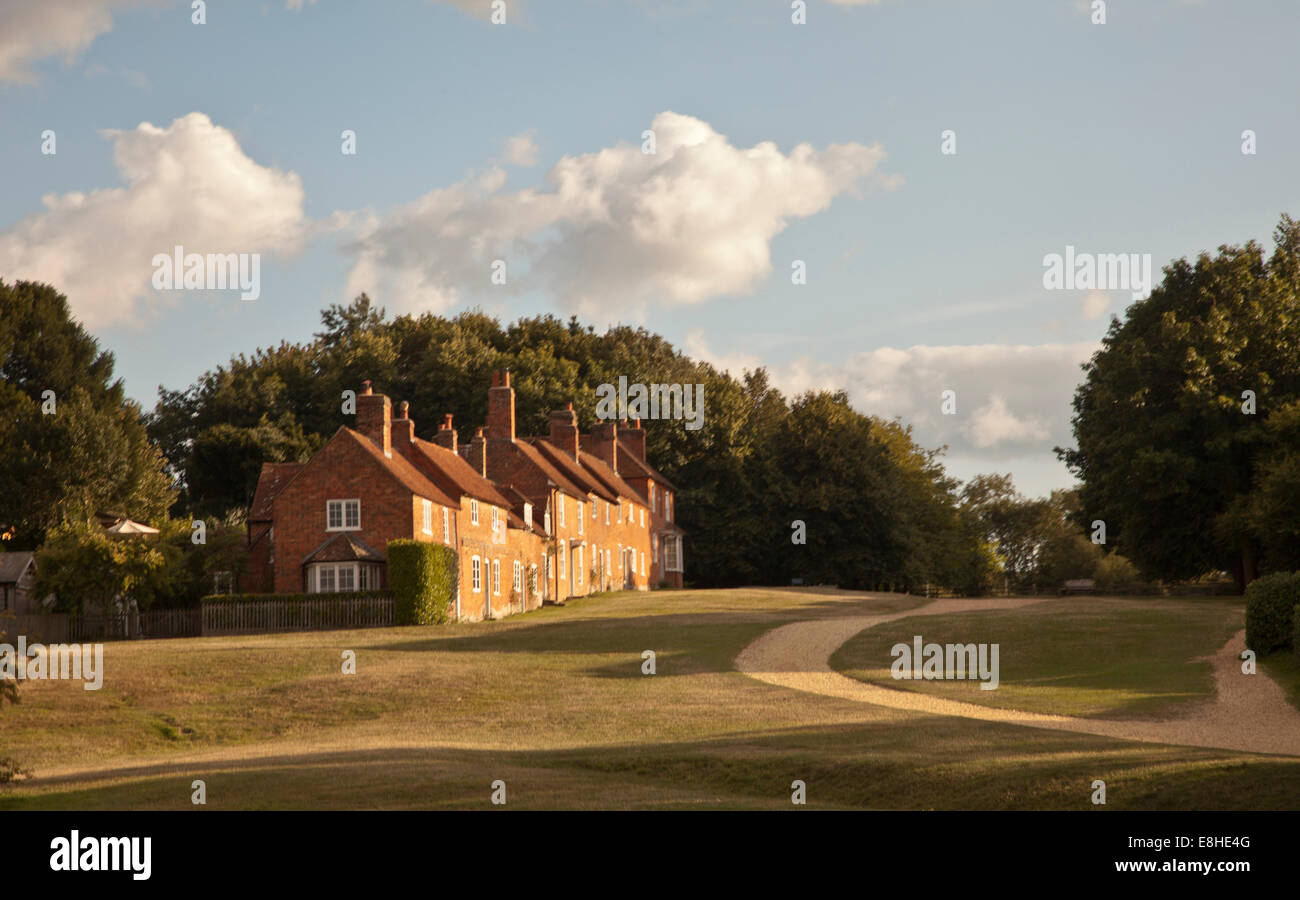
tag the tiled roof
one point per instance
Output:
(456, 476)
(609, 477)
(574, 472)
(13, 565)
(402, 469)
(271, 481)
(535, 456)
(344, 547)
(639, 468)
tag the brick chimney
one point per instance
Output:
(603, 443)
(403, 429)
(375, 417)
(564, 431)
(501, 408)
(478, 452)
(633, 439)
(446, 436)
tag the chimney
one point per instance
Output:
(446, 436)
(604, 443)
(501, 408)
(478, 452)
(634, 439)
(403, 429)
(375, 418)
(564, 431)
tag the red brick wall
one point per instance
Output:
(340, 471)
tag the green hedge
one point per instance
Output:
(1270, 610)
(423, 578)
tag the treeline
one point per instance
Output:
(771, 488)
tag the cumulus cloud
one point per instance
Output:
(1011, 400)
(31, 31)
(618, 228)
(520, 150)
(189, 184)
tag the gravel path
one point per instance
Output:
(1248, 712)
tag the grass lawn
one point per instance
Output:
(1098, 657)
(1284, 668)
(554, 703)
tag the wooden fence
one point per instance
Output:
(326, 611)
(45, 629)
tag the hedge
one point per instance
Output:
(422, 577)
(1270, 611)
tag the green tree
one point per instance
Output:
(68, 435)
(1167, 453)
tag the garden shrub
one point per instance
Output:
(1270, 610)
(423, 579)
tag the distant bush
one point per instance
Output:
(1270, 611)
(1114, 572)
(423, 579)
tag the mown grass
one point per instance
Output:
(1091, 657)
(554, 703)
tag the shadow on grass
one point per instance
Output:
(906, 763)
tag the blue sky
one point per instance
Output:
(924, 270)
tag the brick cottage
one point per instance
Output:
(532, 519)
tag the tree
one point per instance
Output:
(87, 568)
(68, 436)
(1171, 447)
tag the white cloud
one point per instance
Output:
(1012, 400)
(189, 184)
(613, 230)
(520, 150)
(1095, 304)
(33, 30)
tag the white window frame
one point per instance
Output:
(496, 578)
(654, 499)
(495, 515)
(668, 507)
(580, 516)
(643, 563)
(518, 580)
(643, 517)
(446, 525)
(473, 511)
(578, 566)
(427, 511)
(607, 512)
(559, 510)
(343, 514)
(476, 574)
(654, 547)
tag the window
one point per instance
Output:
(672, 551)
(668, 507)
(550, 566)
(446, 525)
(342, 515)
(347, 578)
(580, 505)
(654, 500)
(496, 577)
(473, 512)
(620, 512)
(494, 520)
(328, 578)
(607, 512)
(654, 547)
(643, 517)
(325, 579)
(519, 578)
(222, 583)
(477, 568)
(559, 508)
(561, 555)
(594, 510)
(642, 562)
(428, 516)
(607, 562)
(577, 565)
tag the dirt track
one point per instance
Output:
(1248, 712)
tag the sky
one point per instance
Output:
(803, 208)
